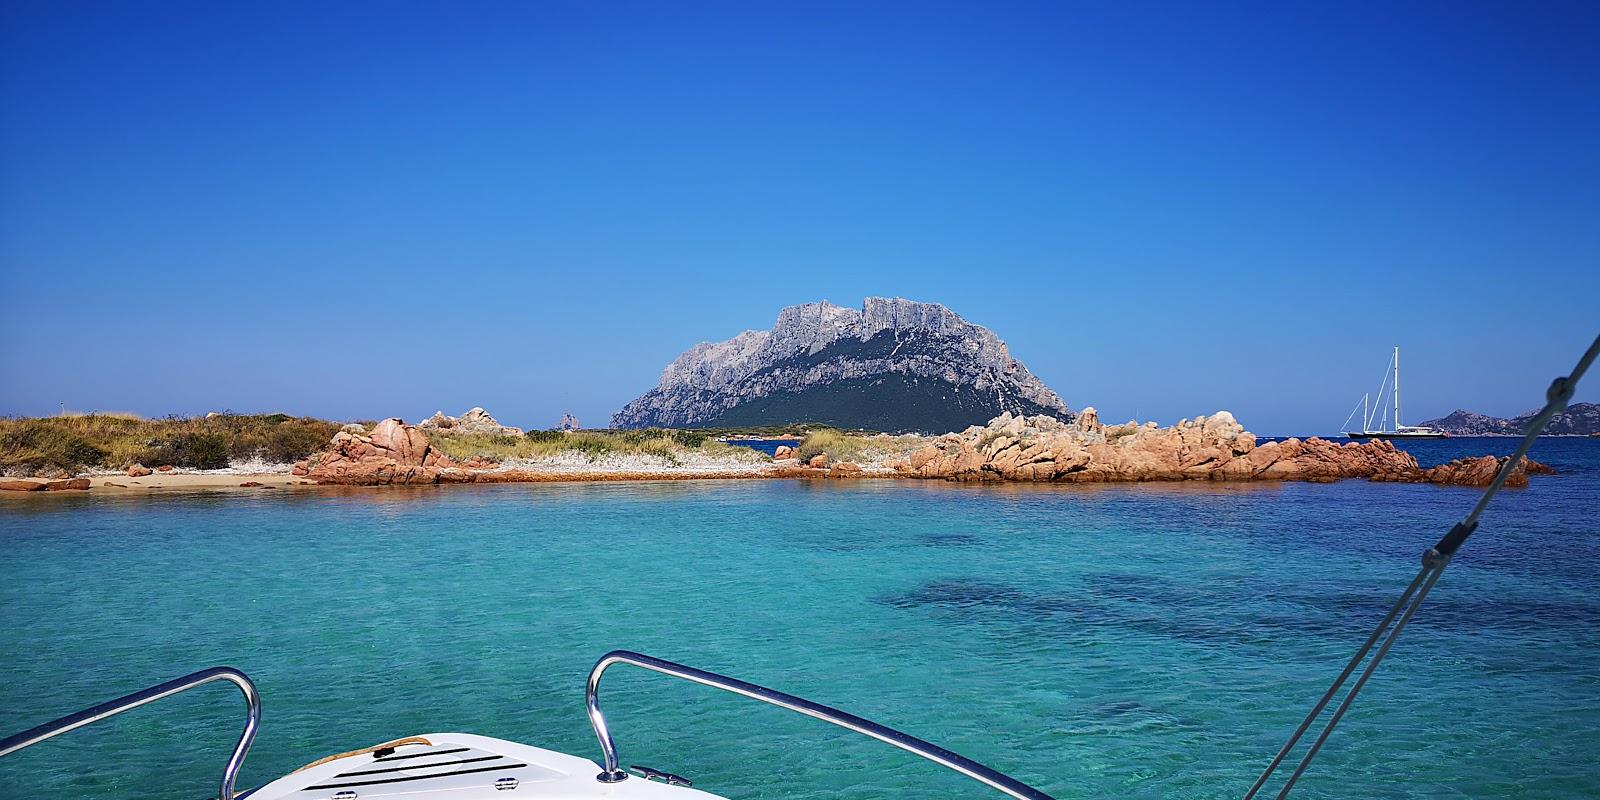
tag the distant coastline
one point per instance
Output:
(278, 451)
(1579, 419)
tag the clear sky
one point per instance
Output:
(361, 210)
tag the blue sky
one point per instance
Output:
(355, 210)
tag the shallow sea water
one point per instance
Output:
(1104, 641)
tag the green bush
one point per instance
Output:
(290, 443)
(591, 445)
(191, 450)
(827, 440)
(206, 451)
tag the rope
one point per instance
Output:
(1433, 565)
(396, 743)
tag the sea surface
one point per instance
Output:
(1129, 641)
(768, 446)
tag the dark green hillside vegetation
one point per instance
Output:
(893, 402)
(87, 441)
(797, 430)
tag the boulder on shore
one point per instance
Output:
(475, 422)
(393, 452)
(1217, 448)
(138, 471)
(21, 486)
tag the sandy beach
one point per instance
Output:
(564, 470)
(178, 480)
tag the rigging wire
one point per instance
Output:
(1377, 402)
(1345, 426)
(1433, 565)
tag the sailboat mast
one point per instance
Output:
(1397, 389)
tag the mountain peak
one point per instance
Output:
(894, 364)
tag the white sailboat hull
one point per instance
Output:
(1397, 434)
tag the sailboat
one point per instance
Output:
(1370, 409)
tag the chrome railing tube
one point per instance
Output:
(252, 699)
(932, 752)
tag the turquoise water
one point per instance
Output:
(1117, 641)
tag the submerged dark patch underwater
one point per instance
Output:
(1129, 641)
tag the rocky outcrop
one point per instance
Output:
(475, 422)
(392, 453)
(1579, 419)
(21, 486)
(894, 365)
(137, 470)
(568, 423)
(1215, 448)
(1480, 471)
(71, 484)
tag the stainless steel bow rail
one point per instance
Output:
(932, 752)
(1434, 562)
(252, 699)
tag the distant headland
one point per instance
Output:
(1580, 419)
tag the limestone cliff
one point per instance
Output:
(893, 365)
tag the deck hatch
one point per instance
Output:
(408, 767)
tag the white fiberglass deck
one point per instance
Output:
(461, 766)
